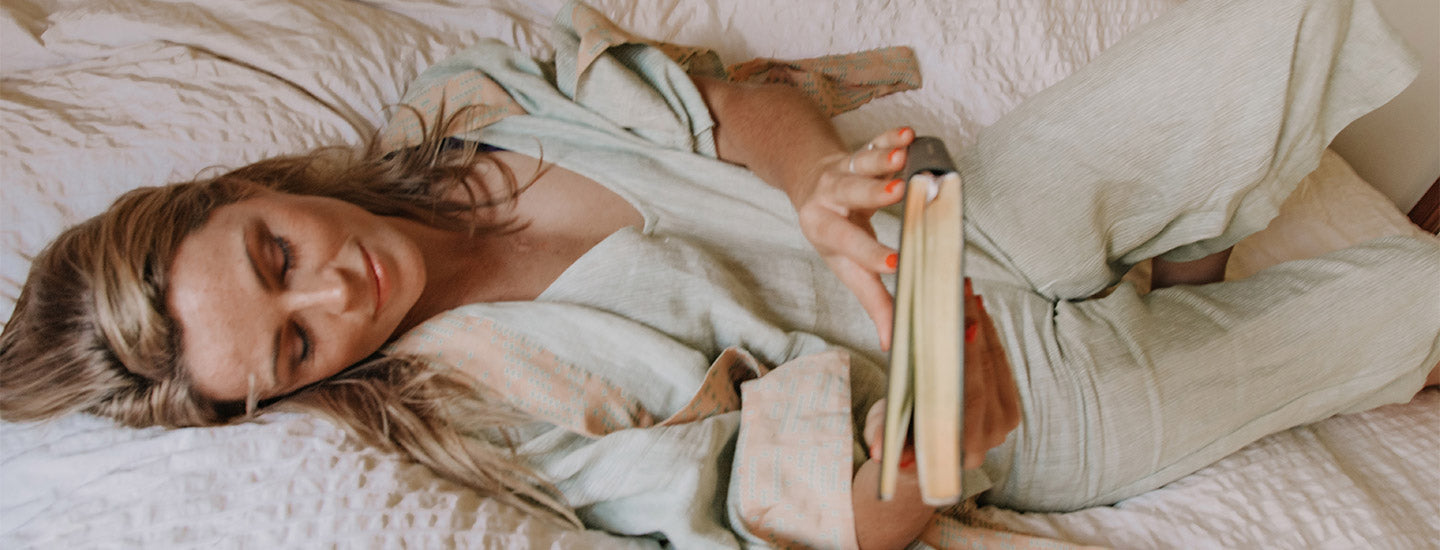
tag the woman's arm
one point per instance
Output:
(779, 134)
(887, 524)
(1209, 269)
(773, 130)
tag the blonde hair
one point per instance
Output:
(91, 330)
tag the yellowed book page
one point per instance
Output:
(939, 374)
(900, 397)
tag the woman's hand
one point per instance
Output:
(835, 206)
(992, 403)
(781, 136)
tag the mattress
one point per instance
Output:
(100, 97)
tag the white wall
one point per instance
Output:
(1397, 148)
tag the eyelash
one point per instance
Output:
(288, 256)
(304, 343)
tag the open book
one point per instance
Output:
(927, 347)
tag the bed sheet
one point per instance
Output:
(100, 97)
(153, 91)
(1367, 480)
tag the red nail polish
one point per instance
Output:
(892, 261)
(890, 187)
(907, 460)
(895, 155)
(971, 331)
(907, 132)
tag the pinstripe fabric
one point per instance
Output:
(1177, 141)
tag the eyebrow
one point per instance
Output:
(254, 228)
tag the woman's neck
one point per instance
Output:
(452, 270)
(561, 215)
(492, 267)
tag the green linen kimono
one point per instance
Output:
(703, 379)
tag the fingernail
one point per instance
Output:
(892, 260)
(875, 451)
(895, 155)
(907, 460)
(907, 133)
(968, 289)
(971, 331)
(895, 183)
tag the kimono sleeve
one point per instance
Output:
(629, 82)
(646, 437)
(601, 80)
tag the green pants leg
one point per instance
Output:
(1151, 388)
(1177, 142)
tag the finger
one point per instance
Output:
(885, 154)
(972, 307)
(866, 193)
(986, 399)
(973, 460)
(839, 236)
(893, 138)
(879, 161)
(875, 427)
(989, 427)
(995, 430)
(976, 406)
(874, 298)
(976, 428)
(1002, 409)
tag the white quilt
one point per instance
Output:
(101, 96)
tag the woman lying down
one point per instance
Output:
(601, 307)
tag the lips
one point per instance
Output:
(380, 278)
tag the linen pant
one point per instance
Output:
(1177, 142)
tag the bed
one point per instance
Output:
(100, 97)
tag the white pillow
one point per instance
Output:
(1332, 208)
(101, 97)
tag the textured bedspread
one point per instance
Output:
(1348, 482)
(99, 97)
(1367, 480)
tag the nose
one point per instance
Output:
(330, 291)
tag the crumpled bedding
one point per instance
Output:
(288, 480)
(100, 97)
(1367, 480)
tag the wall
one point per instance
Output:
(1397, 148)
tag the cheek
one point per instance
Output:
(356, 347)
(362, 341)
(341, 348)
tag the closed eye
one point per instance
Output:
(304, 337)
(287, 255)
(288, 259)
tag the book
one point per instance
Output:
(926, 386)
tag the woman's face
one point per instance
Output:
(289, 289)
